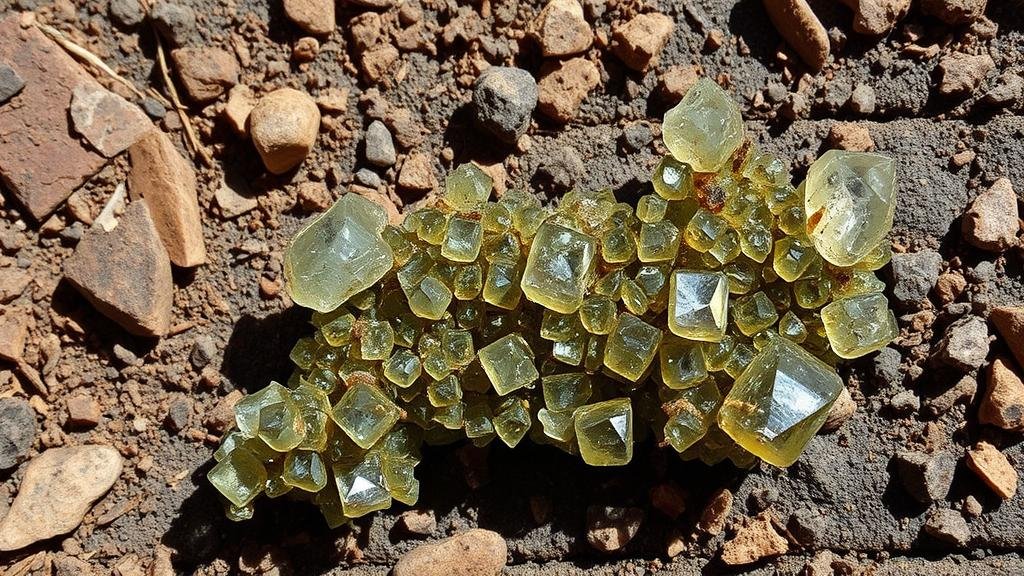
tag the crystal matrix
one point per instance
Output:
(706, 316)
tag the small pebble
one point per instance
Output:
(284, 126)
(379, 146)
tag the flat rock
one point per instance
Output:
(877, 17)
(233, 203)
(561, 29)
(948, 526)
(914, 274)
(241, 101)
(205, 72)
(17, 431)
(168, 183)
(955, 12)
(716, 512)
(991, 221)
(1009, 321)
(419, 522)
(313, 16)
(417, 173)
(84, 411)
(474, 552)
(504, 99)
(109, 122)
(125, 273)
(564, 85)
(58, 488)
(755, 540)
(41, 160)
(13, 282)
(1003, 403)
(926, 477)
(963, 73)
(993, 469)
(10, 83)
(611, 528)
(639, 42)
(965, 344)
(13, 334)
(284, 126)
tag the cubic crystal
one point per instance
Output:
(705, 128)
(859, 325)
(631, 347)
(605, 432)
(559, 268)
(508, 363)
(365, 414)
(697, 304)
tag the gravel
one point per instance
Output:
(504, 99)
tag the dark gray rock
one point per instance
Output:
(885, 367)
(17, 431)
(204, 349)
(806, 525)
(380, 147)
(178, 413)
(10, 83)
(368, 178)
(965, 344)
(154, 109)
(127, 13)
(562, 168)
(948, 526)
(504, 99)
(914, 274)
(174, 22)
(636, 136)
(926, 477)
(1009, 87)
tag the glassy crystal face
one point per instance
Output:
(467, 187)
(705, 128)
(859, 325)
(631, 347)
(338, 254)
(508, 363)
(240, 477)
(559, 268)
(365, 414)
(305, 471)
(605, 432)
(692, 412)
(849, 204)
(698, 304)
(361, 487)
(779, 402)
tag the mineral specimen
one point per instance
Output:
(708, 317)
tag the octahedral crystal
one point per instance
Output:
(707, 317)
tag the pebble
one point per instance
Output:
(877, 17)
(179, 411)
(965, 344)
(755, 540)
(677, 80)
(419, 522)
(109, 122)
(167, 181)
(305, 49)
(153, 109)
(368, 178)
(963, 391)
(637, 135)
(564, 85)
(17, 431)
(126, 356)
(57, 490)
(716, 512)
(904, 403)
(842, 410)
(639, 42)
(504, 99)
(948, 526)
(1009, 321)
(474, 552)
(240, 103)
(851, 136)
(13, 283)
(955, 12)
(950, 286)
(991, 222)
(807, 525)
(10, 83)
(284, 126)
(862, 100)
(231, 203)
(125, 273)
(13, 335)
(127, 13)
(379, 146)
(1003, 402)
(962, 73)
(562, 167)
(406, 127)
(222, 416)
(801, 29)
(914, 274)
(610, 528)
(994, 469)
(314, 197)
(1009, 88)
(926, 477)
(313, 16)
(175, 22)
(206, 73)
(204, 350)
(417, 173)
(561, 29)
(377, 61)
(83, 411)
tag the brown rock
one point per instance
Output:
(83, 411)
(314, 196)
(561, 29)
(962, 73)
(669, 498)
(420, 522)
(471, 553)
(394, 215)
(126, 273)
(1003, 403)
(962, 158)
(405, 126)
(284, 126)
(712, 519)
(991, 223)
(639, 42)
(241, 101)
(13, 335)
(756, 540)
(877, 17)
(377, 61)
(13, 282)
(955, 11)
(58, 488)
(109, 122)
(842, 410)
(232, 202)
(610, 528)
(948, 526)
(305, 49)
(417, 173)
(801, 29)
(850, 136)
(313, 16)
(205, 72)
(222, 416)
(950, 286)
(677, 80)
(564, 85)
(365, 29)
(41, 161)
(1009, 320)
(993, 468)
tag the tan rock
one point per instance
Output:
(206, 73)
(13, 283)
(611, 528)
(1009, 320)
(1003, 403)
(471, 553)
(851, 136)
(83, 411)
(313, 16)
(677, 80)
(284, 126)
(13, 335)
(639, 42)
(58, 488)
(314, 196)
(417, 173)
(754, 541)
(421, 522)
(241, 101)
(233, 203)
(950, 286)
(955, 12)
(395, 216)
(842, 410)
(801, 29)
(961, 73)
(561, 29)
(993, 468)
(991, 222)
(109, 122)
(564, 85)
(877, 17)
(377, 62)
(712, 519)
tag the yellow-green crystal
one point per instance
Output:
(508, 363)
(365, 414)
(705, 128)
(559, 268)
(605, 432)
(466, 187)
(859, 325)
(631, 347)
(698, 304)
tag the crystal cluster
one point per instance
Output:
(709, 317)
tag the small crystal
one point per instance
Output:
(305, 470)
(859, 325)
(682, 363)
(403, 368)
(511, 421)
(466, 187)
(672, 179)
(559, 268)
(705, 128)
(598, 314)
(462, 240)
(508, 363)
(605, 432)
(691, 414)
(566, 392)
(365, 414)
(697, 304)
(754, 313)
(361, 487)
(631, 347)
(240, 477)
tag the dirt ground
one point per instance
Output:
(841, 504)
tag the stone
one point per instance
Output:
(850, 136)
(284, 125)
(561, 29)
(639, 42)
(232, 203)
(698, 305)
(34, 139)
(604, 432)
(611, 528)
(305, 50)
(127, 13)
(756, 540)
(705, 128)
(13, 335)
(417, 173)
(843, 409)
(962, 391)
(991, 222)
(926, 477)
(963, 73)
(17, 431)
(564, 85)
(379, 146)
(677, 80)
(801, 29)
(313, 16)
(504, 99)
(205, 72)
(475, 552)
(126, 273)
(992, 467)
(1009, 321)
(83, 411)
(314, 196)
(161, 175)
(378, 61)
(1003, 402)
(950, 286)
(914, 274)
(10, 83)
(948, 526)
(338, 254)
(179, 411)
(716, 512)
(862, 100)
(368, 178)
(877, 17)
(419, 522)
(204, 350)
(13, 283)
(954, 12)
(904, 403)
(849, 204)
(965, 345)
(175, 22)
(1009, 88)
(240, 103)
(57, 490)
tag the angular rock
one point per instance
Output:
(851, 136)
(965, 344)
(950, 286)
(17, 431)
(611, 528)
(13, 283)
(380, 147)
(755, 540)
(914, 274)
(991, 222)
(1009, 320)
(175, 22)
(127, 13)
(716, 512)
(313, 16)
(564, 85)
(83, 411)
(962, 73)
(168, 183)
(926, 477)
(417, 173)
(801, 29)
(420, 522)
(241, 101)
(233, 203)
(504, 99)
(205, 72)
(10, 83)
(639, 42)
(109, 122)
(843, 409)
(561, 29)
(58, 488)
(877, 17)
(284, 126)
(1003, 403)
(1009, 87)
(677, 80)
(36, 137)
(126, 273)
(474, 552)
(949, 526)
(13, 334)
(955, 12)
(862, 100)
(993, 469)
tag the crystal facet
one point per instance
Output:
(605, 432)
(697, 304)
(705, 128)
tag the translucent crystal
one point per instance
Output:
(361, 487)
(705, 128)
(559, 268)
(859, 325)
(462, 240)
(604, 432)
(466, 187)
(754, 313)
(376, 338)
(365, 414)
(403, 368)
(691, 413)
(558, 426)
(658, 242)
(508, 363)
(631, 347)
(247, 410)
(697, 304)
(672, 179)
(305, 470)
(240, 477)
(682, 363)
(598, 314)
(281, 425)
(511, 421)
(565, 392)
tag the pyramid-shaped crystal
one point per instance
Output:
(859, 325)
(697, 304)
(361, 487)
(559, 268)
(365, 413)
(605, 432)
(705, 128)
(779, 402)
(849, 204)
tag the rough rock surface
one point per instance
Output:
(471, 553)
(17, 431)
(1003, 403)
(109, 122)
(284, 126)
(564, 85)
(504, 99)
(639, 42)
(1009, 321)
(755, 540)
(994, 469)
(914, 274)
(205, 72)
(991, 221)
(611, 528)
(561, 29)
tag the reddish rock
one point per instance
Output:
(471, 553)
(1003, 403)
(994, 469)
(611, 528)
(877, 17)
(83, 411)
(962, 73)
(850, 136)
(305, 49)
(712, 519)
(205, 72)
(801, 29)
(677, 80)
(377, 61)
(126, 273)
(13, 335)
(955, 11)
(755, 540)
(639, 42)
(314, 196)
(669, 498)
(991, 222)
(419, 522)
(284, 125)
(561, 29)
(109, 122)
(241, 101)
(564, 85)
(842, 410)
(1009, 320)
(168, 183)
(313, 16)
(13, 283)
(417, 173)
(41, 161)
(950, 286)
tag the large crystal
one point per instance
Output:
(361, 487)
(365, 413)
(697, 304)
(859, 325)
(559, 267)
(705, 128)
(605, 432)
(239, 477)
(631, 347)
(508, 363)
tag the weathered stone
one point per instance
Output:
(994, 469)
(419, 522)
(926, 477)
(561, 29)
(471, 553)
(962, 73)
(313, 16)
(13, 283)
(1003, 403)
(109, 122)
(914, 274)
(801, 29)
(205, 72)
(955, 11)
(949, 526)
(965, 344)
(1009, 320)
(17, 431)
(127, 13)
(13, 334)
(639, 42)
(564, 85)
(233, 203)
(755, 540)
(379, 146)
(991, 221)
(175, 22)
(504, 99)
(284, 126)
(877, 17)
(10, 83)
(83, 411)
(417, 173)
(716, 512)
(241, 101)
(843, 409)
(610, 528)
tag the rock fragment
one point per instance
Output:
(561, 29)
(83, 411)
(1009, 320)
(610, 528)
(126, 273)
(949, 526)
(175, 22)
(419, 522)
(716, 511)
(965, 344)
(851, 136)
(284, 126)
(13, 335)
(13, 283)
(313, 16)
(314, 196)
(639, 42)
(58, 488)
(963, 73)
(17, 431)
(950, 286)
(10, 83)
(926, 477)
(862, 99)
(1009, 88)
(801, 29)
(991, 221)
(994, 469)
(127, 13)
(914, 274)
(677, 80)
(241, 101)
(474, 552)
(504, 99)
(206, 73)
(564, 85)
(877, 17)
(379, 146)
(842, 410)
(1003, 403)
(168, 183)
(755, 540)
(232, 203)
(955, 12)
(417, 173)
